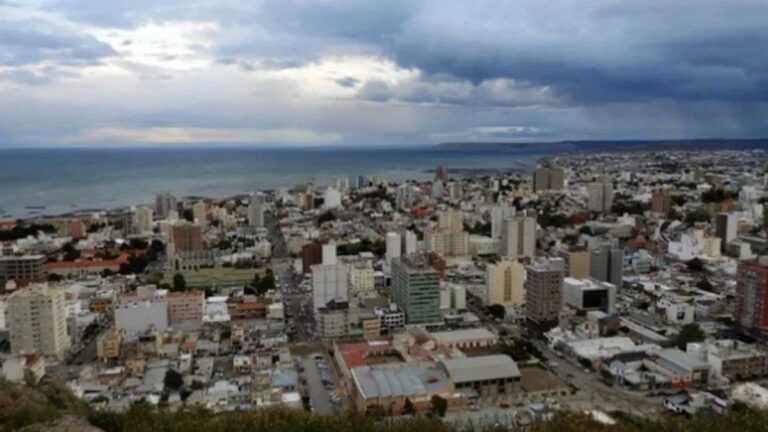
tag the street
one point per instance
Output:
(317, 392)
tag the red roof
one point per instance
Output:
(354, 354)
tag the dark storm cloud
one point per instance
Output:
(527, 69)
(33, 41)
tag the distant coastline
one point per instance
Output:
(609, 145)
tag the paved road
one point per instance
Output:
(596, 393)
(317, 392)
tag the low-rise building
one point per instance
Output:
(109, 345)
(731, 359)
(386, 389)
(681, 369)
(493, 376)
(466, 338)
(333, 320)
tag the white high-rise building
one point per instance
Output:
(404, 196)
(332, 198)
(329, 253)
(393, 245)
(329, 282)
(518, 237)
(498, 214)
(199, 213)
(256, 211)
(3, 312)
(143, 221)
(410, 243)
(37, 321)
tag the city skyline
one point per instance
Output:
(82, 73)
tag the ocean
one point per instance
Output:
(36, 182)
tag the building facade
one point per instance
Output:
(505, 283)
(752, 296)
(416, 289)
(37, 321)
(544, 293)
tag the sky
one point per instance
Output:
(120, 73)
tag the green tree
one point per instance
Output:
(326, 217)
(173, 380)
(689, 333)
(408, 408)
(70, 252)
(439, 406)
(179, 283)
(695, 265)
(497, 311)
(705, 285)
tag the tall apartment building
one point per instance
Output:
(329, 253)
(547, 179)
(544, 293)
(143, 221)
(416, 289)
(505, 283)
(394, 246)
(600, 197)
(499, 214)
(21, 269)
(329, 282)
(311, 254)
(410, 242)
(200, 213)
(577, 263)
(661, 202)
(37, 321)
(405, 196)
(518, 237)
(187, 237)
(331, 198)
(450, 220)
(449, 237)
(441, 174)
(606, 263)
(447, 243)
(256, 211)
(752, 296)
(725, 229)
(165, 204)
(185, 307)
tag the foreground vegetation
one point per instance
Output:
(54, 409)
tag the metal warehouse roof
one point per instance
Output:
(482, 368)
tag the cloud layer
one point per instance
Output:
(140, 72)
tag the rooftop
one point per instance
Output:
(482, 368)
(404, 381)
